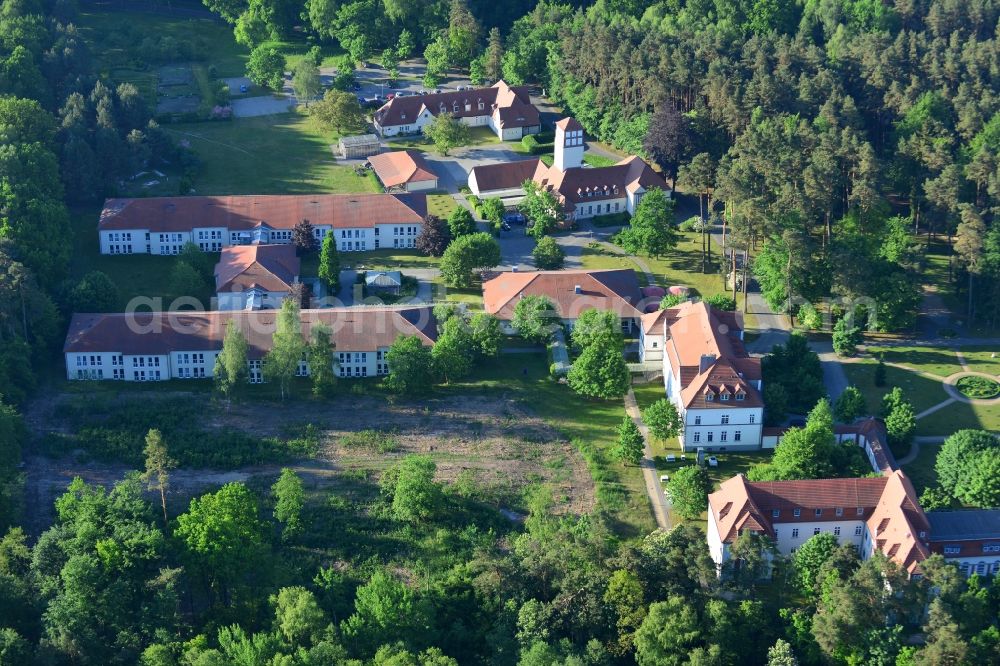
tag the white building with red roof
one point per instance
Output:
(583, 191)
(506, 110)
(708, 375)
(163, 225)
(255, 277)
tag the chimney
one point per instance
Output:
(577, 289)
(706, 362)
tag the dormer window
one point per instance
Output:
(455, 107)
(709, 397)
(480, 105)
(741, 396)
(443, 107)
(402, 116)
(724, 396)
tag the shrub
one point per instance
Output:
(722, 302)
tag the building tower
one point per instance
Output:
(568, 144)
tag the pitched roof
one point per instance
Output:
(400, 167)
(979, 524)
(159, 333)
(582, 184)
(888, 503)
(616, 290)
(504, 175)
(513, 105)
(267, 267)
(569, 123)
(706, 355)
(159, 214)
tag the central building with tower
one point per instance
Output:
(584, 191)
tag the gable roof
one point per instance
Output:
(267, 267)
(161, 214)
(504, 175)
(616, 290)
(160, 333)
(582, 184)
(569, 123)
(979, 524)
(511, 106)
(400, 167)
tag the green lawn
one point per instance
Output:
(137, 275)
(922, 391)
(389, 258)
(441, 205)
(681, 266)
(283, 154)
(959, 416)
(589, 424)
(921, 470)
(980, 359)
(598, 160)
(935, 360)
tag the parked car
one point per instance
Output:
(713, 461)
(243, 87)
(664, 478)
(514, 217)
(671, 458)
(504, 226)
(390, 96)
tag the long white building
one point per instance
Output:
(163, 225)
(157, 346)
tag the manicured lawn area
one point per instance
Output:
(980, 359)
(478, 136)
(589, 424)
(922, 391)
(598, 160)
(282, 154)
(935, 360)
(921, 470)
(959, 416)
(389, 258)
(681, 266)
(471, 296)
(441, 205)
(137, 275)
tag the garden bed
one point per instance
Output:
(978, 388)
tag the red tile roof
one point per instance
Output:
(268, 267)
(160, 214)
(511, 104)
(160, 333)
(401, 167)
(582, 184)
(504, 175)
(569, 123)
(615, 290)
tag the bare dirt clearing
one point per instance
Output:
(486, 440)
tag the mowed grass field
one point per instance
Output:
(282, 154)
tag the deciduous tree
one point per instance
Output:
(631, 446)
(547, 255)
(304, 237)
(434, 236)
(338, 111)
(156, 476)
(447, 132)
(305, 80)
(850, 405)
(535, 318)
(651, 230)
(600, 371)
(231, 364)
(321, 359)
(289, 500)
(461, 223)
(688, 491)
(411, 367)
(473, 252)
(662, 419)
(486, 334)
(288, 347)
(266, 67)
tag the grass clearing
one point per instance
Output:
(983, 359)
(935, 360)
(478, 136)
(281, 154)
(598, 161)
(441, 205)
(681, 266)
(589, 424)
(960, 416)
(920, 390)
(921, 470)
(389, 258)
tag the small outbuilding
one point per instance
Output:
(403, 170)
(359, 146)
(386, 282)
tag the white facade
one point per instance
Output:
(252, 299)
(213, 239)
(416, 126)
(603, 207)
(201, 365)
(724, 428)
(568, 149)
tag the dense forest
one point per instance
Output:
(840, 139)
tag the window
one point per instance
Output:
(775, 535)
(795, 533)
(815, 531)
(752, 418)
(819, 512)
(710, 435)
(857, 530)
(725, 418)
(738, 435)
(797, 512)
(709, 397)
(860, 511)
(723, 436)
(724, 396)
(741, 396)
(839, 511)
(697, 437)
(775, 513)
(836, 531)
(697, 420)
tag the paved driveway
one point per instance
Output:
(453, 170)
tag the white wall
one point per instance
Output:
(589, 209)
(422, 185)
(696, 434)
(986, 564)
(787, 542)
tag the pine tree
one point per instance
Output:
(631, 446)
(329, 264)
